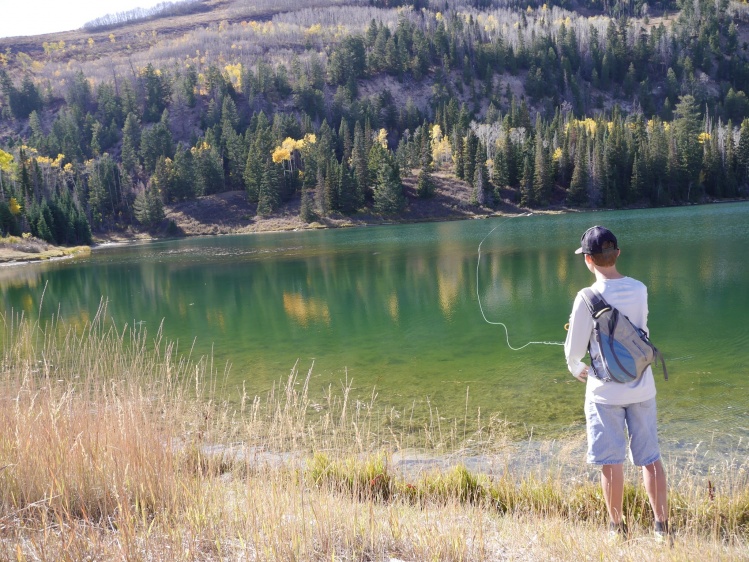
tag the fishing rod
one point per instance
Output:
(478, 294)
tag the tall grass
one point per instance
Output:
(115, 445)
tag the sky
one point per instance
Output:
(34, 17)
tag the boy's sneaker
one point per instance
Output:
(662, 534)
(617, 531)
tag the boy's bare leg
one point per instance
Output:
(656, 487)
(612, 482)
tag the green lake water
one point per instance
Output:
(396, 309)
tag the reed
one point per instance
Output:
(118, 445)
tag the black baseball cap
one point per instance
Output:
(591, 242)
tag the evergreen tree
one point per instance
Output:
(162, 180)
(577, 195)
(306, 212)
(156, 93)
(269, 198)
(425, 187)
(470, 148)
(388, 193)
(183, 184)
(541, 193)
(686, 136)
(359, 162)
(526, 183)
(156, 142)
(348, 194)
(742, 155)
(149, 208)
(332, 180)
(500, 173)
(478, 194)
(638, 185)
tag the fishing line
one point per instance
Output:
(478, 295)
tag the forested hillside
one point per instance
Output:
(334, 104)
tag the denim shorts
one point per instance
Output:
(611, 428)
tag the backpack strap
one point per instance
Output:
(659, 355)
(595, 302)
(597, 305)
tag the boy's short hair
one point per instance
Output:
(608, 256)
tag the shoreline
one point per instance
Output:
(190, 226)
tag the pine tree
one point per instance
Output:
(637, 185)
(425, 187)
(500, 176)
(269, 198)
(321, 200)
(130, 144)
(541, 193)
(306, 212)
(332, 180)
(359, 163)
(348, 196)
(183, 184)
(469, 156)
(526, 183)
(162, 179)
(742, 155)
(459, 155)
(577, 195)
(686, 132)
(478, 195)
(149, 208)
(388, 193)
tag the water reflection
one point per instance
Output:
(396, 308)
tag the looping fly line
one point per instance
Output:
(478, 295)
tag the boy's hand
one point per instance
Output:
(583, 376)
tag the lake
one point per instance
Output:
(397, 310)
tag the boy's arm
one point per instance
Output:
(578, 336)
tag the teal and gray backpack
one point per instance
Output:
(619, 350)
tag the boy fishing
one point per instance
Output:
(619, 416)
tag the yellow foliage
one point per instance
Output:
(438, 16)
(703, 137)
(315, 29)
(281, 154)
(289, 145)
(529, 10)
(6, 161)
(588, 124)
(90, 41)
(234, 73)
(31, 152)
(15, 207)
(203, 146)
(112, 37)
(382, 138)
(68, 167)
(436, 133)
(557, 156)
(442, 151)
(3, 59)
(310, 138)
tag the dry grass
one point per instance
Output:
(23, 249)
(115, 447)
